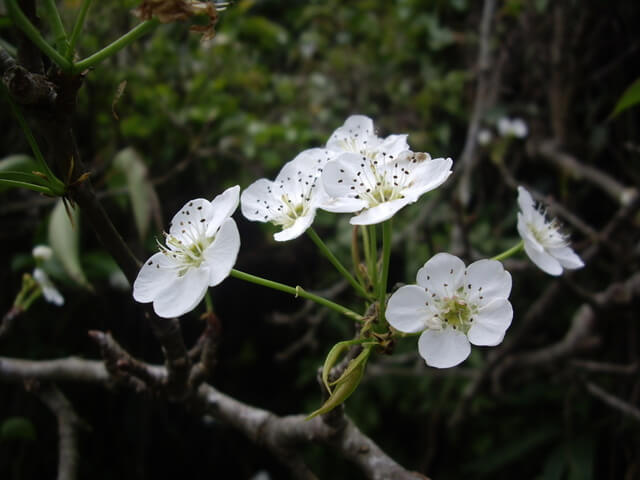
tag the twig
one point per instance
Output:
(614, 402)
(68, 423)
(549, 150)
(480, 104)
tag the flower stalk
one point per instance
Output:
(508, 253)
(297, 292)
(336, 263)
(77, 27)
(55, 23)
(386, 257)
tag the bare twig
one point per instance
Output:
(68, 423)
(613, 401)
(550, 151)
(480, 104)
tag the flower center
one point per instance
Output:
(378, 181)
(457, 313)
(549, 235)
(187, 252)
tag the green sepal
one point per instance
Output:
(347, 383)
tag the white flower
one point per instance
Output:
(381, 185)
(545, 245)
(49, 291)
(374, 175)
(452, 306)
(291, 200)
(515, 127)
(484, 137)
(42, 252)
(201, 248)
(357, 136)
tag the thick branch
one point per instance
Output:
(281, 435)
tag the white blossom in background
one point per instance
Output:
(544, 243)
(291, 200)
(453, 306)
(512, 127)
(201, 248)
(376, 176)
(42, 252)
(484, 137)
(49, 290)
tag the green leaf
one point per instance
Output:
(17, 163)
(143, 196)
(64, 240)
(17, 428)
(629, 98)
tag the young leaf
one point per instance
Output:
(63, 238)
(629, 98)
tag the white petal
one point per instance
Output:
(525, 201)
(543, 260)
(428, 175)
(222, 207)
(379, 213)
(527, 235)
(298, 228)
(406, 310)
(183, 294)
(394, 145)
(442, 274)
(355, 129)
(189, 217)
(567, 257)
(490, 323)
(343, 205)
(337, 177)
(221, 255)
(443, 348)
(52, 295)
(154, 276)
(253, 198)
(487, 279)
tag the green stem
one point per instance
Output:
(55, 185)
(373, 257)
(297, 291)
(335, 262)
(386, 257)
(128, 38)
(31, 298)
(23, 23)
(208, 302)
(367, 252)
(511, 251)
(55, 23)
(77, 27)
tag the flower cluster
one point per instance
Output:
(452, 306)
(357, 171)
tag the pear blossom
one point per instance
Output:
(376, 176)
(357, 136)
(484, 137)
(49, 290)
(380, 185)
(453, 306)
(199, 252)
(512, 127)
(544, 243)
(291, 200)
(42, 252)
